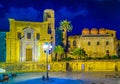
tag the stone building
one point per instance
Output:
(25, 39)
(96, 42)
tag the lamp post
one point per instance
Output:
(47, 47)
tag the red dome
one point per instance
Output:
(94, 31)
(85, 31)
(102, 31)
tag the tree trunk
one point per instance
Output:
(65, 42)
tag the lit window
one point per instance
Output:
(28, 35)
(89, 43)
(19, 35)
(37, 36)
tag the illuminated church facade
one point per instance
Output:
(95, 42)
(24, 41)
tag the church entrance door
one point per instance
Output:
(29, 54)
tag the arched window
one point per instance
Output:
(74, 43)
(107, 42)
(89, 43)
(107, 51)
(28, 35)
(98, 43)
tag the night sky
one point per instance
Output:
(81, 13)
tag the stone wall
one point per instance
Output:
(94, 66)
(81, 66)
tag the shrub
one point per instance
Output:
(87, 58)
(114, 57)
(98, 58)
(107, 57)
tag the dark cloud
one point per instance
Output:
(23, 14)
(64, 12)
(49, 5)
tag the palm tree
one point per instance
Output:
(65, 26)
(79, 52)
(59, 50)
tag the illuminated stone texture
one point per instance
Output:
(94, 31)
(95, 44)
(25, 39)
(85, 31)
(102, 31)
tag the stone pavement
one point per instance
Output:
(67, 77)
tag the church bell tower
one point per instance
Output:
(49, 16)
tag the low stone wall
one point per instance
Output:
(62, 66)
(32, 67)
(94, 66)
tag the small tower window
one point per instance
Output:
(89, 43)
(48, 15)
(28, 35)
(49, 29)
(38, 36)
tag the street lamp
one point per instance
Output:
(47, 47)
